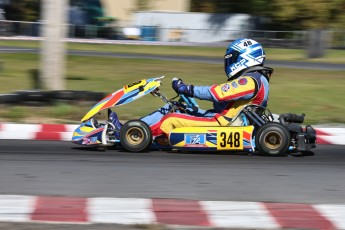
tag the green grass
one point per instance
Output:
(319, 94)
(332, 56)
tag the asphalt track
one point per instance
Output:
(209, 60)
(61, 168)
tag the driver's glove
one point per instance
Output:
(181, 88)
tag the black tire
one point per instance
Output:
(136, 136)
(273, 139)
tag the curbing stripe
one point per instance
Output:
(321, 132)
(333, 140)
(321, 140)
(19, 131)
(176, 212)
(120, 210)
(331, 131)
(48, 136)
(15, 208)
(235, 214)
(334, 213)
(60, 209)
(301, 216)
(53, 128)
(179, 212)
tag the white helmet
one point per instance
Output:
(240, 55)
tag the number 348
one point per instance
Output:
(229, 140)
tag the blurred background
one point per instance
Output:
(57, 58)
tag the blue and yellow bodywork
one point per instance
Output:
(123, 96)
(237, 138)
(89, 135)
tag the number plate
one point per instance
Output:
(230, 138)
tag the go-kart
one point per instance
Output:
(253, 129)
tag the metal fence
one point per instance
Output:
(286, 39)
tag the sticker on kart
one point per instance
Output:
(134, 86)
(216, 138)
(232, 138)
(195, 139)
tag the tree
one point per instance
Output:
(23, 10)
(255, 7)
(308, 14)
(284, 14)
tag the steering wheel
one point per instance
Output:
(190, 102)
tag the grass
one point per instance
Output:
(319, 94)
(60, 113)
(332, 56)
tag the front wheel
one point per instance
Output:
(273, 139)
(136, 136)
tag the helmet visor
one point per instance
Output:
(230, 59)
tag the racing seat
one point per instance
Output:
(252, 114)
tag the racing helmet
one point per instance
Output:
(240, 55)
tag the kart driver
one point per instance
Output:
(248, 83)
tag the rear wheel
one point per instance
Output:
(136, 136)
(273, 139)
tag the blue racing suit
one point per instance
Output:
(228, 99)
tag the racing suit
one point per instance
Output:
(228, 99)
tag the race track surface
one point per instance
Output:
(62, 169)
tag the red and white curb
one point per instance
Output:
(56, 132)
(227, 214)
(63, 132)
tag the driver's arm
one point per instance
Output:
(241, 88)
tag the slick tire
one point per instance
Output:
(273, 139)
(136, 136)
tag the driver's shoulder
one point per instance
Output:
(243, 80)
